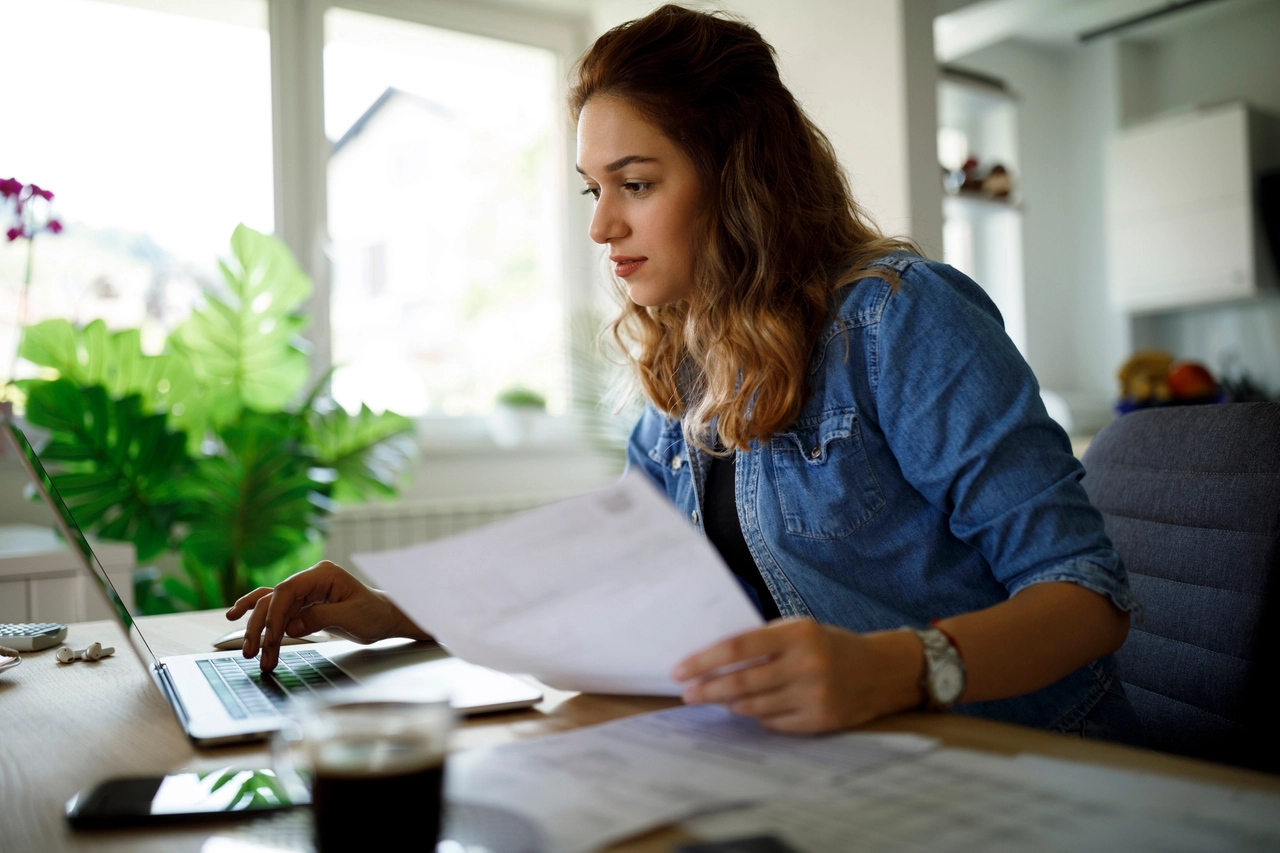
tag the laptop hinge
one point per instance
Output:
(162, 677)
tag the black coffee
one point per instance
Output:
(353, 808)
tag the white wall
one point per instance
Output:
(1236, 55)
(1039, 80)
(1103, 341)
(1066, 110)
(864, 71)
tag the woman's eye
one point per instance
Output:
(630, 187)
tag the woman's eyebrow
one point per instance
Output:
(621, 162)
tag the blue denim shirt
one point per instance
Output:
(922, 479)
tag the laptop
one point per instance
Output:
(222, 698)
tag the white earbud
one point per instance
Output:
(94, 651)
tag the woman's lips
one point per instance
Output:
(624, 267)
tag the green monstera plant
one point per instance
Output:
(204, 451)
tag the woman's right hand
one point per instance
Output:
(324, 597)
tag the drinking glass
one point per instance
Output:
(375, 768)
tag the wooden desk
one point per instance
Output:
(66, 727)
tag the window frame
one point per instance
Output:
(300, 155)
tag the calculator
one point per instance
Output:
(31, 636)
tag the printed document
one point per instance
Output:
(605, 592)
(593, 786)
(957, 800)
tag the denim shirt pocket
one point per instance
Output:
(825, 486)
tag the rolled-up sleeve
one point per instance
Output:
(961, 411)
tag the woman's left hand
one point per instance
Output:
(796, 675)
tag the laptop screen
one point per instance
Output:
(71, 532)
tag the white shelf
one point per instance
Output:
(972, 205)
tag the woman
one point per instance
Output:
(846, 421)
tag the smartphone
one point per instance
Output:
(145, 801)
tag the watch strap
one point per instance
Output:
(942, 662)
(937, 623)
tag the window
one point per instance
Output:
(444, 207)
(419, 173)
(152, 127)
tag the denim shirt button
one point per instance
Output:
(694, 516)
(815, 453)
(676, 462)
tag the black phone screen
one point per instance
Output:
(181, 796)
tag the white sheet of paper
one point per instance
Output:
(592, 786)
(605, 592)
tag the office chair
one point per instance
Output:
(1190, 496)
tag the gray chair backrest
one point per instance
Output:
(1190, 496)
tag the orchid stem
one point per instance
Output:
(26, 282)
(22, 308)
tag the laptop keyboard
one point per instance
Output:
(245, 692)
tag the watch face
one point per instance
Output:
(947, 682)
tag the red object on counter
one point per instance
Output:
(1189, 380)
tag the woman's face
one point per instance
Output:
(648, 200)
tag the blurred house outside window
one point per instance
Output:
(151, 124)
(445, 217)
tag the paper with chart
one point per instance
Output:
(605, 592)
(592, 786)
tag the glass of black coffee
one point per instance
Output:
(376, 768)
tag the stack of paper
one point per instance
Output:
(592, 786)
(726, 777)
(957, 800)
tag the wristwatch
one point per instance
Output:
(944, 676)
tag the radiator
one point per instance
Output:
(380, 527)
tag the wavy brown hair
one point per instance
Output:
(782, 230)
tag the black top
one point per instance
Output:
(720, 511)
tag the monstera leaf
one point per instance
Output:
(115, 361)
(241, 344)
(367, 451)
(119, 470)
(255, 504)
(56, 344)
